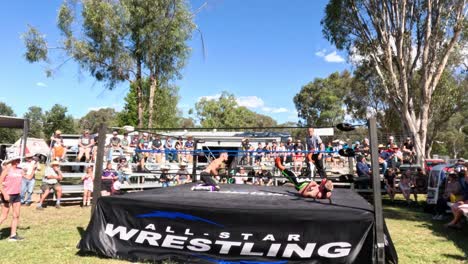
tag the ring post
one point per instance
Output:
(194, 161)
(379, 234)
(98, 165)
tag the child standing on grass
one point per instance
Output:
(87, 179)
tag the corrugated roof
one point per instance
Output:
(11, 122)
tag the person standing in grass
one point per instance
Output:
(10, 189)
(87, 179)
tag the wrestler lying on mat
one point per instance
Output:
(307, 189)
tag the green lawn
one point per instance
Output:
(51, 236)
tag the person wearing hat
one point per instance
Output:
(124, 170)
(58, 149)
(85, 144)
(10, 188)
(385, 157)
(265, 177)
(27, 185)
(189, 145)
(164, 177)
(183, 176)
(114, 145)
(51, 180)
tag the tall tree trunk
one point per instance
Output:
(153, 87)
(429, 149)
(139, 94)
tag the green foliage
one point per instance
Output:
(93, 119)
(129, 114)
(123, 40)
(36, 46)
(57, 119)
(187, 122)
(408, 45)
(166, 113)
(36, 121)
(8, 135)
(225, 112)
(320, 103)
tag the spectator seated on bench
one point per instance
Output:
(114, 146)
(451, 193)
(364, 173)
(419, 183)
(459, 210)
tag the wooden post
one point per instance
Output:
(379, 234)
(22, 151)
(99, 165)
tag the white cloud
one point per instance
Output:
(333, 57)
(41, 84)
(293, 116)
(274, 110)
(210, 97)
(250, 101)
(321, 53)
(330, 57)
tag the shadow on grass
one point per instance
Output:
(414, 212)
(5, 232)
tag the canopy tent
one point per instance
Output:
(33, 146)
(19, 123)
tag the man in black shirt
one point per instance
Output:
(157, 147)
(408, 151)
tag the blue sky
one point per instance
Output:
(262, 51)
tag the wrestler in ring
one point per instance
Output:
(307, 189)
(212, 171)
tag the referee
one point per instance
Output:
(314, 144)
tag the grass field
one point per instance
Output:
(51, 236)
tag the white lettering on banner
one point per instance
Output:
(199, 245)
(226, 246)
(273, 251)
(151, 237)
(176, 242)
(342, 249)
(294, 238)
(121, 230)
(151, 226)
(246, 236)
(247, 250)
(224, 235)
(168, 230)
(302, 253)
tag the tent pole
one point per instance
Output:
(25, 138)
(379, 233)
